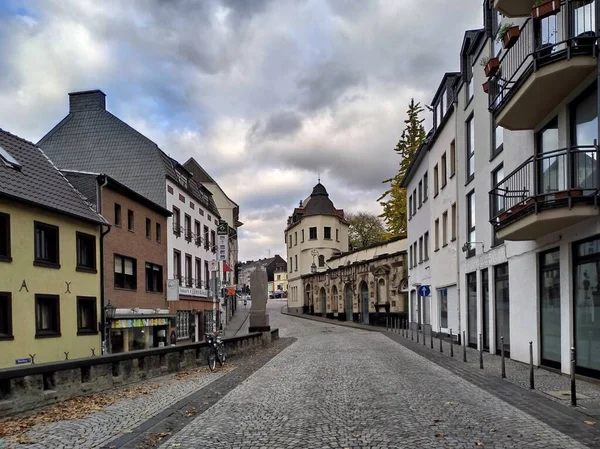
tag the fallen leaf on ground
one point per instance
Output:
(590, 423)
(190, 412)
(479, 443)
(441, 435)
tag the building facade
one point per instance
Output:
(134, 261)
(316, 231)
(50, 289)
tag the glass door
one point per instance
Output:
(472, 309)
(485, 293)
(586, 282)
(550, 307)
(552, 174)
(584, 130)
(502, 308)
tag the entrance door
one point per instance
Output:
(364, 302)
(550, 307)
(323, 302)
(472, 309)
(485, 293)
(349, 305)
(413, 306)
(586, 283)
(502, 308)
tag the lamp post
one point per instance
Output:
(109, 315)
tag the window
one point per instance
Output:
(420, 249)
(496, 19)
(420, 194)
(206, 274)
(436, 236)
(410, 209)
(278, 277)
(5, 237)
(206, 242)
(47, 316)
(87, 322)
(550, 316)
(415, 202)
(130, 224)
(471, 223)
(177, 265)
(158, 233)
(117, 220)
(295, 238)
(188, 271)
(212, 241)
(125, 272)
(470, 149)
(302, 236)
(183, 324)
(154, 278)
(452, 159)
(470, 91)
(443, 295)
(291, 265)
(290, 241)
(86, 252)
(197, 233)
(46, 245)
(425, 187)
(188, 227)
(426, 246)
(198, 272)
(321, 260)
(497, 201)
(436, 187)
(6, 316)
(502, 300)
(410, 257)
(327, 233)
(445, 228)
(296, 261)
(176, 222)
(209, 217)
(454, 222)
(312, 233)
(498, 141)
(337, 235)
(443, 170)
(472, 308)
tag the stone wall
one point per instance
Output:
(34, 386)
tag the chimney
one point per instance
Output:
(89, 100)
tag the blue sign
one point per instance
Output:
(424, 290)
(22, 361)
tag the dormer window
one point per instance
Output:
(8, 160)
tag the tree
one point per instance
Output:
(365, 229)
(393, 200)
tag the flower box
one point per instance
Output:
(492, 67)
(511, 37)
(486, 86)
(545, 9)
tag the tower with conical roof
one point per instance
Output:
(315, 231)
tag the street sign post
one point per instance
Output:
(424, 290)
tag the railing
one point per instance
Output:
(567, 33)
(544, 180)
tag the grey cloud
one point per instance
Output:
(279, 124)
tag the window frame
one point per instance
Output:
(436, 229)
(86, 269)
(310, 233)
(188, 268)
(454, 221)
(410, 211)
(420, 189)
(420, 250)
(44, 333)
(436, 185)
(176, 221)
(118, 218)
(471, 227)
(187, 226)
(325, 229)
(470, 148)
(444, 170)
(130, 220)
(177, 266)
(296, 261)
(496, 241)
(425, 181)
(152, 266)
(94, 329)
(134, 261)
(158, 231)
(452, 159)
(445, 229)
(496, 150)
(302, 235)
(6, 302)
(198, 271)
(8, 256)
(41, 262)
(148, 228)
(426, 246)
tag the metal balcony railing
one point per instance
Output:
(553, 179)
(571, 31)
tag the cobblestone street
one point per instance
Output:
(328, 387)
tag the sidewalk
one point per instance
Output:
(548, 384)
(239, 321)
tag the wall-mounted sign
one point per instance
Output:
(223, 247)
(424, 290)
(139, 322)
(172, 290)
(222, 228)
(188, 291)
(23, 361)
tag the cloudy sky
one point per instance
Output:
(265, 94)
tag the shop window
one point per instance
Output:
(183, 324)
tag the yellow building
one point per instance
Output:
(50, 268)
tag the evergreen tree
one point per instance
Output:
(393, 200)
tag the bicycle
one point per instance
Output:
(216, 351)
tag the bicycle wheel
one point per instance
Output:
(212, 360)
(222, 356)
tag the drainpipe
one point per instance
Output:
(102, 235)
(455, 102)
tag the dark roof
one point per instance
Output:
(417, 158)
(319, 202)
(202, 176)
(91, 139)
(39, 182)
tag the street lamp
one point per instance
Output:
(313, 267)
(109, 315)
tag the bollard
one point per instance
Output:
(480, 351)
(412, 337)
(398, 325)
(424, 344)
(573, 389)
(464, 348)
(431, 336)
(502, 355)
(531, 378)
(451, 345)
(387, 327)
(440, 337)
(417, 334)
(404, 333)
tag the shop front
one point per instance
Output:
(132, 333)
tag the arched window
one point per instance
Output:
(321, 261)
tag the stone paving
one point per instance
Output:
(338, 387)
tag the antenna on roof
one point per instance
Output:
(319, 178)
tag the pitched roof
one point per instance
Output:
(319, 202)
(39, 182)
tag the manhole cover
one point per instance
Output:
(565, 394)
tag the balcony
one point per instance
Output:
(513, 8)
(547, 193)
(551, 58)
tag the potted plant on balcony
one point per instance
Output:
(508, 35)
(545, 8)
(486, 86)
(490, 66)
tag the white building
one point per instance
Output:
(315, 232)
(527, 180)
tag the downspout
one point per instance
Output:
(102, 235)
(455, 103)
